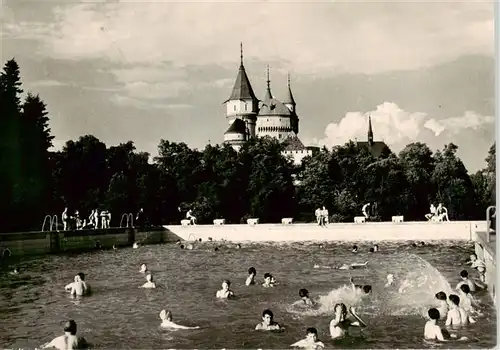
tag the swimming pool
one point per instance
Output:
(34, 305)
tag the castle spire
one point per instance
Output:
(269, 95)
(370, 130)
(241, 53)
(289, 98)
(242, 89)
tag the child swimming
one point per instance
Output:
(340, 324)
(268, 280)
(311, 340)
(267, 323)
(477, 264)
(456, 314)
(432, 331)
(305, 300)
(144, 268)
(149, 282)
(67, 341)
(251, 276)
(166, 321)
(225, 292)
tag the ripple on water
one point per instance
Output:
(34, 305)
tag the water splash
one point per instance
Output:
(416, 282)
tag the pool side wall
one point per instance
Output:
(421, 231)
(39, 243)
(486, 252)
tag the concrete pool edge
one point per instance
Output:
(376, 231)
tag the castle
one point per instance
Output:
(249, 117)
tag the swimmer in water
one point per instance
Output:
(390, 280)
(432, 331)
(77, 287)
(225, 292)
(304, 298)
(85, 284)
(477, 264)
(442, 304)
(372, 250)
(473, 285)
(344, 266)
(354, 249)
(311, 340)
(149, 282)
(268, 280)
(144, 268)
(456, 314)
(135, 245)
(267, 323)
(357, 288)
(166, 321)
(375, 248)
(15, 271)
(467, 301)
(69, 340)
(251, 276)
(340, 324)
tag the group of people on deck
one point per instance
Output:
(96, 219)
(439, 213)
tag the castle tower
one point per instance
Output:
(290, 103)
(242, 104)
(274, 119)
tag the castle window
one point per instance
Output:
(234, 107)
(245, 106)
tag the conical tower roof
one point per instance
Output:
(289, 98)
(268, 95)
(242, 89)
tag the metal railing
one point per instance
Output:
(488, 220)
(53, 222)
(129, 220)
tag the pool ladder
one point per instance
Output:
(129, 222)
(53, 222)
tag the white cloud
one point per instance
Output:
(397, 127)
(307, 36)
(46, 83)
(470, 120)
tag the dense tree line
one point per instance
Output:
(218, 182)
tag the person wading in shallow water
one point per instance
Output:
(69, 340)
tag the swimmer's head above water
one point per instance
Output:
(354, 249)
(304, 293)
(166, 315)
(464, 274)
(144, 268)
(441, 296)
(252, 271)
(340, 310)
(226, 284)
(70, 327)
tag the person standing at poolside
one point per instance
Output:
(69, 340)
(364, 210)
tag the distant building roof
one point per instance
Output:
(377, 148)
(293, 143)
(289, 98)
(237, 127)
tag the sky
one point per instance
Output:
(151, 70)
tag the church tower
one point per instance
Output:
(370, 131)
(242, 108)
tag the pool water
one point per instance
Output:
(34, 305)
